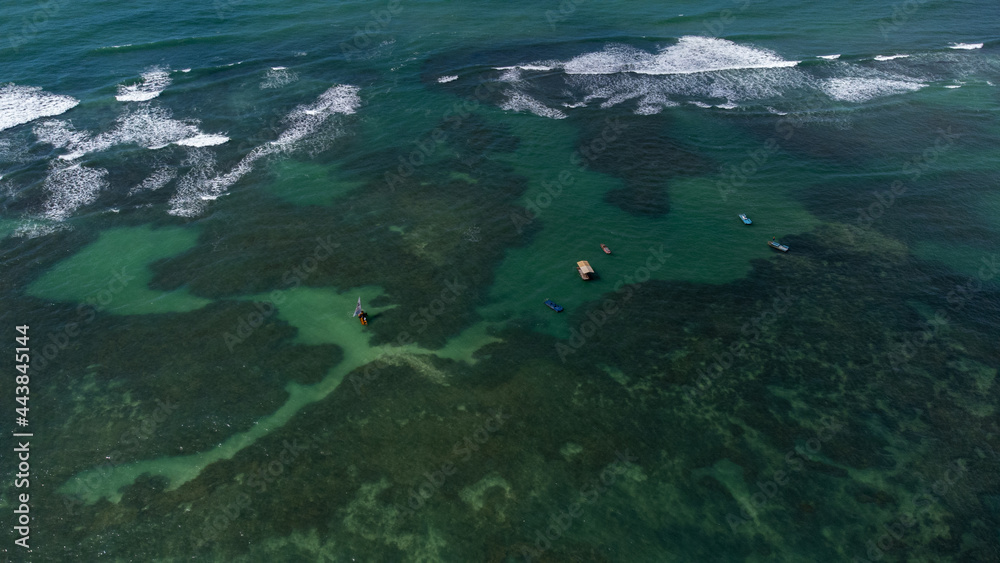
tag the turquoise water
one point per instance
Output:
(193, 197)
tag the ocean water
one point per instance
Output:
(194, 196)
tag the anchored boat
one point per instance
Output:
(552, 305)
(605, 248)
(360, 313)
(746, 220)
(585, 271)
(777, 245)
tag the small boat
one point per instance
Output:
(746, 220)
(361, 314)
(777, 245)
(584, 269)
(605, 248)
(551, 305)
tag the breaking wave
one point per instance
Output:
(710, 72)
(205, 183)
(146, 126)
(22, 104)
(149, 86)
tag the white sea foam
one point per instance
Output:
(890, 57)
(862, 89)
(648, 109)
(158, 179)
(966, 46)
(830, 57)
(149, 86)
(59, 134)
(143, 125)
(277, 77)
(519, 101)
(204, 183)
(185, 70)
(12, 152)
(953, 86)
(511, 75)
(732, 86)
(21, 104)
(705, 67)
(203, 140)
(446, 79)
(34, 228)
(71, 186)
(690, 55)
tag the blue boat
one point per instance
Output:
(746, 220)
(551, 304)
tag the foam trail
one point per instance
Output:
(21, 104)
(33, 228)
(890, 57)
(519, 101)
(830, 57)
(143, 125)
(159, 178)
(858, 89)
(966, 46)
(152, 83)
(204, 183)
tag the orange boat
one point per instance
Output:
(605, 248)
